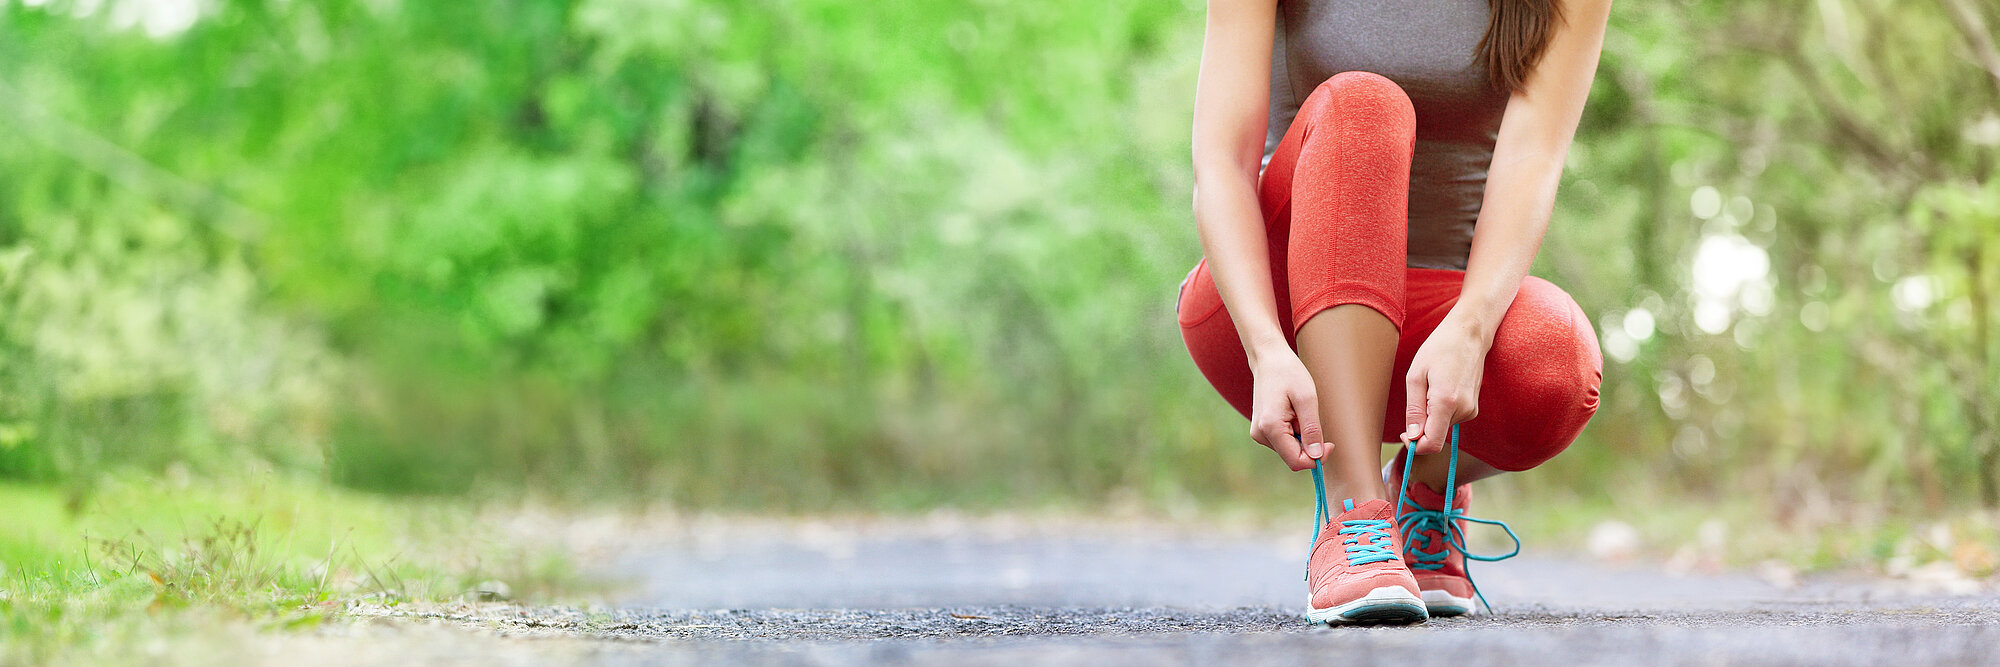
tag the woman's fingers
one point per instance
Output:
(1437, 424)
(1307, 408)
(1294, 454)
(1416, 387)
(1278, 436)
(1287, 447)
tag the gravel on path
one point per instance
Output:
(808, 593)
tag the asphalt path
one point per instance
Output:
(806, 593)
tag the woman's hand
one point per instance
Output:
(1284, 410)
(1444, 380)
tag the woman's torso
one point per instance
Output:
(1428, 47)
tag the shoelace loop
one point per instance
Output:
(1430, 524)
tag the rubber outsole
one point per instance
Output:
(1442, 604)
(1447, 610)
(1385, 605)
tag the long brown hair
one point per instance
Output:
(1515, 38)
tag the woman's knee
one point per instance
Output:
(1366, 98)
(1542, 375)
(1549, 335)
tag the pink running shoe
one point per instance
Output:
(1435, 536)
(1439, 568)
(1356, 573)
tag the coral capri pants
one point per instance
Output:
(1335, 197)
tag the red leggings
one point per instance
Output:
(1335, 197)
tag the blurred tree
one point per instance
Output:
(813, 252)
(1848, 146)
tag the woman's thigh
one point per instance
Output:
(1212, 341)
(1541, 379)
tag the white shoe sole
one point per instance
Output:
(1441, 603)
(1387, 604)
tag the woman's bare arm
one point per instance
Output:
(1534, 141)
(1231, 104)
(1528, 157)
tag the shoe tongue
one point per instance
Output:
(1372, 509)
(1430, 498)
(1424, 495)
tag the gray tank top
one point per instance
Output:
(1429, 47)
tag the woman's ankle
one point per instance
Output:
(1435, 470)
(1358, 490)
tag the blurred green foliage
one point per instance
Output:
(813, 253)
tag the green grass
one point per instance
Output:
(83, 579)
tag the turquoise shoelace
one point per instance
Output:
(1430, 524)
(1367, 540)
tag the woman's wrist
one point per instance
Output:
(1482, 302)
(1471, 323)
(1259, 349)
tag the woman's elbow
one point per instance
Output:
(1211, 175)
